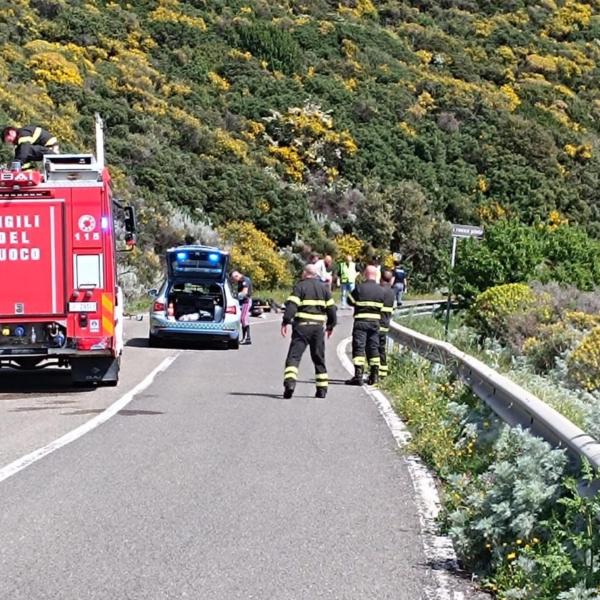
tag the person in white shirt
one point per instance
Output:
(323, 267)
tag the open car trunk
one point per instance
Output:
(197, 301)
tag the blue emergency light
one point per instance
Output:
(181, 255)
(214, 257)
(19, 331)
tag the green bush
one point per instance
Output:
(443, 415)
(272, 44)
(492, 511)
(517, 519)
(513, 252)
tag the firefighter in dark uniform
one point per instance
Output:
(31, 144)
(389, 300)
(312, 311)
(367, 299)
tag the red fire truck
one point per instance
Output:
(59, 299)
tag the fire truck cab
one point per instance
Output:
(59, 299)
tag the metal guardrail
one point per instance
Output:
(512, 403)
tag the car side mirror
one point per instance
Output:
(153, 293)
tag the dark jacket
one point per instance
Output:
(311, 301)
(389, 299)
(367, 299)
(243, 283)
(32, 143)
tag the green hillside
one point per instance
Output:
(382, 119)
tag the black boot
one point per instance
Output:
(321, 392)
(374, 375)
(358, 376)
(246, 335)
(288, 389)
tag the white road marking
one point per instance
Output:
(27, 460)
(438, 548)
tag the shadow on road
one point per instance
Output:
(178, 345)
(13, 384)
(331, 381)
(275, 396)
(140, 342)
(121, 413)
(84, 411)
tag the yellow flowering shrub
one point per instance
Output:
(407, 129)
(55, 68)
(218, 82)
(572, 15)
(294, 167)
(583, 364)
(305, 139)
(556, 220)
(582, 320)
(227, 143)
(492, 307)
(169, 11)
(542, 64)
(348, 244)
(254, 254)
(483, 185)
(424, 56)
(492, 212)
(239, 55)
(582, 152)
(511, 97)
(358, 8)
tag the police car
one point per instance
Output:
(196, 302)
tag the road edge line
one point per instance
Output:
(28, 459)
(438, 548)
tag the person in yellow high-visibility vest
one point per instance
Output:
(31, 144)
(347, 273)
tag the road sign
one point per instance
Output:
(458, 232)
(467, 231)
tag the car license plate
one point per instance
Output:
(82, 306)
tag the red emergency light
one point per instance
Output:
(15, 178)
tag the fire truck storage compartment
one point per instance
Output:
(32, 261)
(197, 301)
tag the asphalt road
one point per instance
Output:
(209, 486)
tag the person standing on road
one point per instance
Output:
(367, 299)
(347, 273)
(389, 299)
(312, 313)
(323, 268)
(244, 294)
(400, 282)
(328, 272)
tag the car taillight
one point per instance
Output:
(231, 310)
(158, 306)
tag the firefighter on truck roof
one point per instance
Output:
(31, 144)
(367, 299)
(312, 312)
